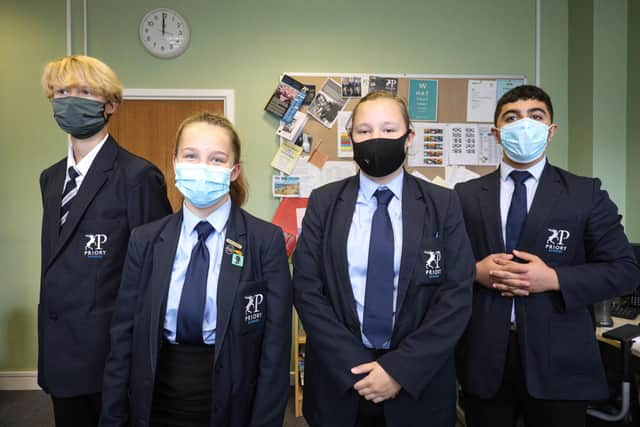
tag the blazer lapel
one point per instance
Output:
(489, 202)
(549, 189)
(229, 276)
(95, 179)
(52, 202)
(341, 223)
(413, 220)
(164, 252)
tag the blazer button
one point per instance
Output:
(53, 316)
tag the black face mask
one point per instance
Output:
(79, 117)
(379, 157)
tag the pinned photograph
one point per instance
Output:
(291, 131)
(351, 87)
(311, 93)
(327, 103)
(284, 95)
(286, 186)
(386, 84)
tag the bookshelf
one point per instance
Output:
(299, 342)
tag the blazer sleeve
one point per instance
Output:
(422, 353)
(147, 199)
(115, 400)
(272, 388)
(338, 347)
(610, 269)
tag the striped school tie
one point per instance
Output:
(70, 190)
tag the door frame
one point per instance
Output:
(226, 95)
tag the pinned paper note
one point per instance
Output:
(481, 100)
(286, 157)
(439, 181)
(419, 175)
(344, 140)
(317, 158)
(457, 174)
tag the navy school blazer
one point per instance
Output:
(433, 306)
(81, 266)
(574, 228)
(251, 362)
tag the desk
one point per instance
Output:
(617, 321)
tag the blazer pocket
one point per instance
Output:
(431, 268)
(556, 243)
(572, 346)
(253, 302)
(98, 240)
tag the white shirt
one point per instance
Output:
(82, 167)
(360, 235)
(506, 192)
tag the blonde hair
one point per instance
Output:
(380, 94)
(79, 70)
(239, 188)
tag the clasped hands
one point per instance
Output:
(503, 273)
(378, 385)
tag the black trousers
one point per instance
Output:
(513, 401)
(77, 411)
(370, 414)
(183, 387)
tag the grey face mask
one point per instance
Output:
(79, 117)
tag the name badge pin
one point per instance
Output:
(233, 243)
(237, 260)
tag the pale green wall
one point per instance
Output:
(243, 45)
(246, 45)
(610, 96)
(30, 140)
(633, 116)
(554, 45)
(601, 102)
(581, 87)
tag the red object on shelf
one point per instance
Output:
(286, 218)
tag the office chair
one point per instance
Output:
(625, 335)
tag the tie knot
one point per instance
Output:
(204, 229)
(519, 177)
(384, 196)
(73, 173)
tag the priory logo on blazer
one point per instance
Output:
(252, 311)
(94, 247)
(556, 242)
(432, 264)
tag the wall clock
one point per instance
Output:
(164, 33)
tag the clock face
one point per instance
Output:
(164, 33)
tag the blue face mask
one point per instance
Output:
(525, 140)
(201, 184)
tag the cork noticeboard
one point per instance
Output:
(452, 93)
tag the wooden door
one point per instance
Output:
(148, 128)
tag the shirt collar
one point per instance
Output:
(82, 167)
(535, 170)
(218, 218)
(368, 187)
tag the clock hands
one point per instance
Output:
(164, 16)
